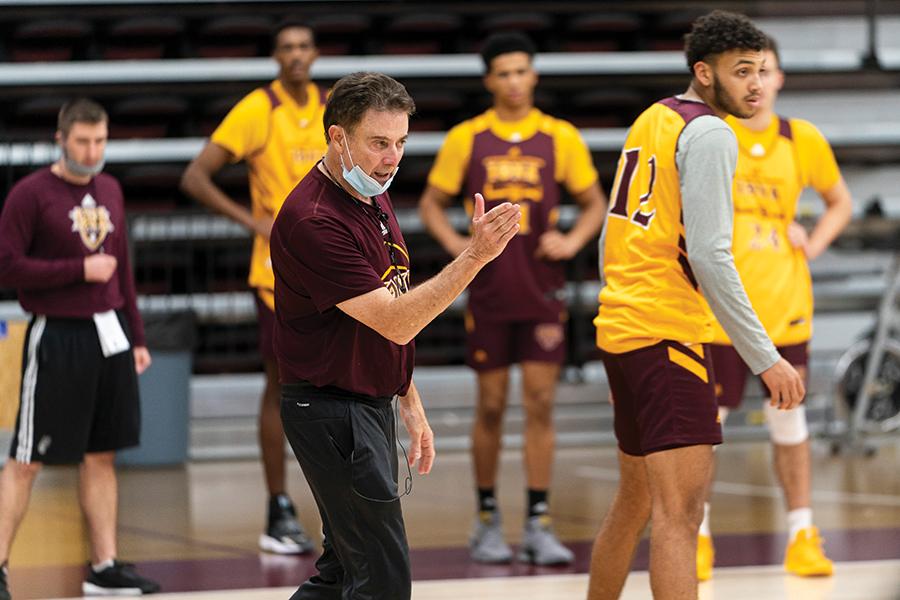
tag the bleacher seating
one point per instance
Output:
(141, 38)
(423, 33)
(234, 36)
(601, 32)
(343, 34)
(598, 69)
(50, 40)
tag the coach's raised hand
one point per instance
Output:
(491, 231)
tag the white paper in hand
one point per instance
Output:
(109, 330)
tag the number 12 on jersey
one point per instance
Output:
(624, 179)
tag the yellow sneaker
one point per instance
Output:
(705, 557)
(805, 557)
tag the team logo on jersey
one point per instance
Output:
(548, 336)
(396, 278)
(513, 177)
(91, 222)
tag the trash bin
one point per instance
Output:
(165, 391)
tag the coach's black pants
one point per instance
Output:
(346, 445)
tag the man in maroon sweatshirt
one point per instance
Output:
(63, 247)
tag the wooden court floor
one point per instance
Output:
(194, 528)
(856, 581)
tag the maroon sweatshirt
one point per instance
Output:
(47, 228)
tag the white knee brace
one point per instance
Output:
(786, 427)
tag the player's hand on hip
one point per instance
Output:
(263, 226)
(491, 231)
(555, 245)
(99, 268)
(797, 236)
(785, 385)
(141, 359)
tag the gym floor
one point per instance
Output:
(194, 528)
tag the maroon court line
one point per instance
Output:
(263, 570)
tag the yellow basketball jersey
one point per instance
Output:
(773, 167)
(650, 293)
(280, 141)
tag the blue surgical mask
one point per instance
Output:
(362, 183)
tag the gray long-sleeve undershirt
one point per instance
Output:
(706, 158)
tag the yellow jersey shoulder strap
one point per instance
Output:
(687, 109)
(274, 102)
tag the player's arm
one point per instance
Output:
(555, 245)
(421, 437)
(400, 319)
(433, 212)
(706, 158)
(838, 212)
(142, 358)
(197, 182)
(18, 223)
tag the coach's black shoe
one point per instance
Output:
(284, 534)
(118, 579)
(4, 588)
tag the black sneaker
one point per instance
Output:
(119, 579)
(4, 588)
(284, 534)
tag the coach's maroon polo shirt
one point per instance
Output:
(328, 247)
(47, 228)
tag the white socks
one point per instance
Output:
(704, 525)
(799, 518)
(103, 565)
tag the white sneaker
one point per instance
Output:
(540, 545)
(486, 543)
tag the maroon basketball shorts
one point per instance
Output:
(663, 397)
(731, 372)
(498, 344)
(266, 320)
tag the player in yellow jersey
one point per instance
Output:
(777, 158)
(516, 312)
(277, 131)
(667, 237)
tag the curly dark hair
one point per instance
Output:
(718, 32)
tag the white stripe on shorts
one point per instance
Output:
(25, 440)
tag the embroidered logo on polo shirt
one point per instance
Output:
(91, 222)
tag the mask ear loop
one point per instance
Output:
(346, 144)
(408, 482)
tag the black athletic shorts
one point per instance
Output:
(73, 400)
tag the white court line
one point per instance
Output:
(761, 491)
